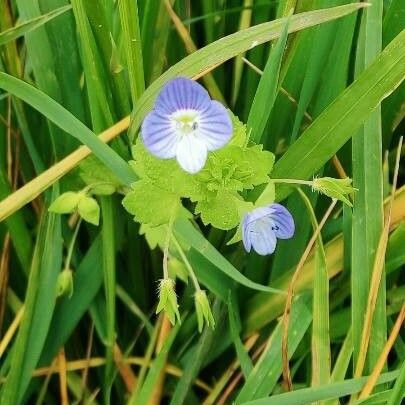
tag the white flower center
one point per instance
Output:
(185, 122)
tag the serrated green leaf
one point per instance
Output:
(66, 203)
(156, 235)
(239, 137)
(261, 163)
(150, 204)
(222, 211)
(163, 173)
(92, 171)
(235, 168)
(89, 210)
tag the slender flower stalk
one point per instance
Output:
(187, 264)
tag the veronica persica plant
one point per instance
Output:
(186, 124)
(262, 226)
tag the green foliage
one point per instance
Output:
(150, 204)
(71, 73)
(165, 175)
(215, 189)
(222, 211)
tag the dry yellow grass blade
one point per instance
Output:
(383, 357)
(11, 331)
(124, 369)
(76, 365)
(40, 183)
(64, 399)
(212, 398)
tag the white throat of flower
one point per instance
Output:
(185, 122)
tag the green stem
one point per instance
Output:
(187, 264)
(108, 253)
(166, 247)
(96, 184)
(72, 244)
(293, 181)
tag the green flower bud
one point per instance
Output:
(203, 310)
(334, 188)
(168, 300)
(65, 283)
(66, 203)
(89, 210)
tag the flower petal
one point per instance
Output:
(191, 153)
(262, 237)
(283, 221)
(159, 136)
(257, 213)
(182, 94)
(215, 126)
(245, 234)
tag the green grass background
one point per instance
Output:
(326, 97)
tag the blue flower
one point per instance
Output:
(186, 124)
(262, 227)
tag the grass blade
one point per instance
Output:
(218, 52)
(309, 395)
(133, 47)
(187, 231)
(30, 25)
(398, 390)
(68, 122)
(267, 370)
(68, 312)
(321, 356)
(367, 178)
(267, 90)
(339, 121)
(235, 328)
(108, 242)
(189, 66)
(39, 306)
(155, 370)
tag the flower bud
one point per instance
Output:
(66, 203)
(89, 210)
(65, 283)
(334, 188)
(168, 300)
(203, 310)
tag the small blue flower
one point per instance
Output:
(186, 124)
(262, 227)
